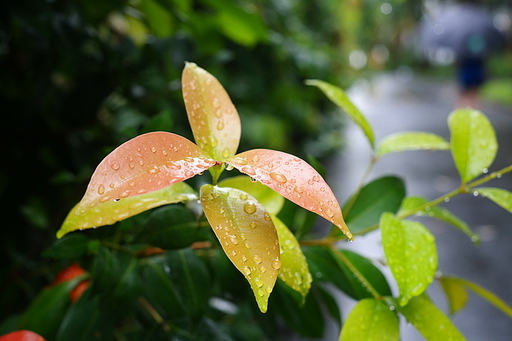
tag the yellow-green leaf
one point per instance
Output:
(500, 196)
(294, 267)
(370, 320)
(419, 206)
(270, 199)
(400, 142)
(455, 292)
(473, 142)
(338, 97)
(429, 320)
(484, 293)
(213, 117)
(110, 212)
(294, 179)
(247, 234)
(411, 254)
(146, 163)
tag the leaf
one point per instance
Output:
(47, 310)
(159, 19)
(327, 266)
(411, 141)
(111, 211)
(146, 163)
(370, 320)
(482, 292)
(411, 254)
(270, 199)
(294, 179)
(294, 270)
(381, 195)
(213, 117)
(500, 196)
(171, 227)
(70, 247)
(412, 204)
(429, 320)
(473, 142)
(338, 96)
(455, 292)
(21, 335)
(246, 233)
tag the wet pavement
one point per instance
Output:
(402, 102)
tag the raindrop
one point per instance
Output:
(247, 270)
(131, 165)
(253, 224)
(499, 175)
(244, 196)
(248, 246)
(475, 193)
(278, 177)
(256, 259)
(115, 166)
(255, 158)
(248, 170)
(189, 174)
(258, 282)
(244, 258)
(101, 189)
(276, 264)
(261, 293)
(316, 178)
(263, 268)
(249, 208)
(220, 125)
(216, 103)
(141, 163)
(266, 216)
(111, 185)
(226, 153)
(446, 199)
(329, 213)
(485, 170)
(153, 149)
(299, 190)
(474, 239)
(391, 308)
(233, 240)
(218, 113)
(268, 289)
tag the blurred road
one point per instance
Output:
(402, 102)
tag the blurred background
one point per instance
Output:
(77, 78)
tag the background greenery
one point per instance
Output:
(80, 77)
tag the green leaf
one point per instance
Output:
(455, 292)
(338, 96)
(246, 233)
(326, 266)
(294, 270)
(213, 117)
(294, 179)
(473, 142)
(171, 227)
(411, 254)
(110, 212)
(482, 292)
(48, 309)
(429, 320)
(412, 204)
(330, 303)
(70, 247)
(270, 199)
(370, 320)
(365, 208)
(404, 141)
(500, 196)
(159, 19)
(191, 278)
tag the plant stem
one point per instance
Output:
(152, 311)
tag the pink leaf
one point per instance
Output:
(144, 164)
(294, 179)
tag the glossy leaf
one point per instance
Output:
(473, 142)
(71, 247)
(420, 207)
(246, 233)
(455, 292)
(500, 196)
(482, 292)
(110, 212)
(326, 266)
(294, 270)
(338, 96)
(294, 179)
(213, 117)
(146, 163)
(270, 199)
(404, 141)
(411, 254)
(381, 195)
(370, 320)
(429, 320)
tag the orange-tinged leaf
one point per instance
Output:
(111, 211)
(146, 163)
(294, 179)
(246, 233)
(213, 117)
